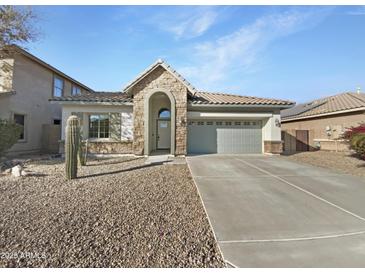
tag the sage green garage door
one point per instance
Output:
(224, 137)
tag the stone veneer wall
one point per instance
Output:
(107, 147)
(160, 78)
(275, 147)
(123, 147)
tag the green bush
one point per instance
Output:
(357, 143)
(9, 135)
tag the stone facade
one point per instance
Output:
(164, 80)
(274, 147)
(106, 147)
(124, 147)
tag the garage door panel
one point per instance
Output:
(202, 139)
(225, 137)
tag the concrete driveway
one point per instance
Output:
(270, 212)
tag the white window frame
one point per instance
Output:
(98, 138)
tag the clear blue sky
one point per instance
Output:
(297, 53)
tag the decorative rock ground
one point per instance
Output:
(120, 213)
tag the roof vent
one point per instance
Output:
(358, 90)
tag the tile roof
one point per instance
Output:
(327, 105)
(166, 66)
(200, 98)
(98, 96)
(210, 98)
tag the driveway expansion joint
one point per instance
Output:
(295, 239)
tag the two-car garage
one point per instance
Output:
(225, 136)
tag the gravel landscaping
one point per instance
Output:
(119, 213)
(341, 161)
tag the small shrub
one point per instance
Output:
(355, 136)
(360, 129)
(9, 134)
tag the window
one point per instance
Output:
(56, 121)
(228, 123)
(75, 90)
(57, 87)
(219, 123)
(237, 123)
(99, 126)
(200, 123)
(20, 120)
(164, 113)
(246, 123)
(209, 123)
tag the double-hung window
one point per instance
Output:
(75, 90)
(20, 120)
(57, 87)
(99, 126)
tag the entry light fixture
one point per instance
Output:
(277, 122)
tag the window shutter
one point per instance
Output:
(115, 126)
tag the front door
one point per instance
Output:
(163, 134)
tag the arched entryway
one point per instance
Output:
(159, 123)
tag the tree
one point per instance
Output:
(17, 27)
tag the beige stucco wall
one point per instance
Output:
(33, 86)
(337, 123)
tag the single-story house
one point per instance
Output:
(319, 124)
(161, 111)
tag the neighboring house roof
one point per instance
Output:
(166, 66)
(343, 102)
(99, 97)
(48, 66)
(209, 98)
(200, 98)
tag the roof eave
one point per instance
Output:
(83, 102)
(41, 62)
(242, 105)
(283, 119)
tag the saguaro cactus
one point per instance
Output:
(72, 146)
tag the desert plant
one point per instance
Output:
(72, 146)
(9, 134)
(357, 143)
(355, 136)
(82, 152)
(360, 129)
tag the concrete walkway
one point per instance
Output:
(270, 212)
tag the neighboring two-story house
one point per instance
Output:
(26, 85)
